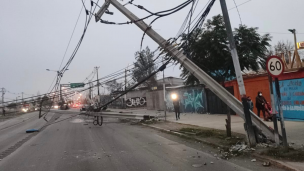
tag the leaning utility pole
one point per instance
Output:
(213, 85)
(239, 76)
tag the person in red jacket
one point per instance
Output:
(260, 102)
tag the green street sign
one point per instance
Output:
(76, 85)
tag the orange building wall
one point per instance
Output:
(252, 86)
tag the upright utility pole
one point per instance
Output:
(60, 91)
(3, 92)
(16, 105)
(97, 79)
(22, 96)
(125, 96)
(239, 77)
(164, 90)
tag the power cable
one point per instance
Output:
(239, 5)
(238, 12)
(71, 36)
(56, 92)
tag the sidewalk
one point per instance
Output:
(294, 129)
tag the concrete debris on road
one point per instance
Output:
(253, 160)
(266, 164)
(197, 165)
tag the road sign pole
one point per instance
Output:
(277, 86)
(275, 68)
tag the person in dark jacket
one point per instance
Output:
(250, 103)
(260, 102)
(176, 105)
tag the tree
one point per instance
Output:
(114, 86)
(209, 49)
(144, 66)
(283, 47)
(11, 105)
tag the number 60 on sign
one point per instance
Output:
(274, 66)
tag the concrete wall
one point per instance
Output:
(252, 85)
(155, 100)
(136, 93)
(192, 99)
(136, 99)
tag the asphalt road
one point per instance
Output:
(72, 143)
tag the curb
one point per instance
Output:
(184, 135)
(276, 163)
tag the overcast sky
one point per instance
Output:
(34, 35)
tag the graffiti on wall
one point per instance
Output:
(292, 98)
(191, 100)
(136, 102)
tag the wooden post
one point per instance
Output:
(289, 57)
(228, 122)
(284, 61)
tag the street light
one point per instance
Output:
(173, 96)
(292, 30)
(296, 54)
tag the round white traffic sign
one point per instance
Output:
(275, 66)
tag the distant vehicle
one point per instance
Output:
(64, 107)
(25, 109)
(84, 108)
(75, 105)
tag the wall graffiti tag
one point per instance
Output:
(192, 100)
(136, 102)
(292, 98)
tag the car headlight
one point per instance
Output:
(56, 107)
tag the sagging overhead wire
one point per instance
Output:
(87, 21)
(110, 77)
(157, 14)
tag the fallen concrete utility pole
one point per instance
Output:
(216, 88)
(119, 115)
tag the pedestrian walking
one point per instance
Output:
(250, 103)
(176, 105)
(260, 104)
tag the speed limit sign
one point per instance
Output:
(275, 66)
